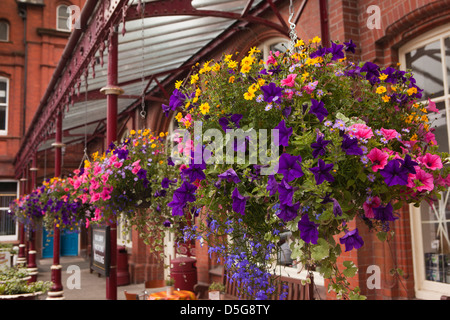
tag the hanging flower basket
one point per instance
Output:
(333, 141)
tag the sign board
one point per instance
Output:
(100, 250)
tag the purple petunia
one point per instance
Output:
(283, 133)
(394, 173)
(230, 175)
(308, 230)
(350, 146)
(337, 210)
(272, 185)
(337, 51)
(239, 201)
(286, 192)
(194, 172)
(352, 240)
(319, 146)
(230, 121)
(318, 109)
(350, 46)
(384, 213)
(322, 172)
(288, 211)
(290, 167)
(272, 93)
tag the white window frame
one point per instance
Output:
(5, 131)
(265, 46)
(424, 289)
(7, 31)
(14, 237)
(58, 16)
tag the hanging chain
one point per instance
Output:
(292, 32)
(143, 113)
(85, 153)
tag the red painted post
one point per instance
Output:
(112, 91)
(56, 291)
(32, 267)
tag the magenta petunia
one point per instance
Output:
(431, 161)
(361, 131)
(378, 158)
(422, 181)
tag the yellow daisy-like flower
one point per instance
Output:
(253, 88)
(246, 68)
(194, 78)
(198, 92)
(261, 82)
(153, 146)
(178, 84)
(247, 61)
(95, 155)
(316, 39)
(227, 57)
(393, 88)
(381, 89)
(299, 43)
(187, 123)
(87, 164)
(411, 91)
(249, 95)
(386, 98)
(204, 108)
(132, 132)
(232, 64)
(179, 116)
(254, 50)
(231, 79)
(383, 77)
(216, 67)
(146, 132)
(424, 118)
(161, 134)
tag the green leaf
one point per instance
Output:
(382, 236)
(350, 270)
(320, 250)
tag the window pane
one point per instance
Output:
(7, 224)
(3, 31)
(447, 60)
(426, 64)
(2, 118)
(63, 16)
(3, 87)
(438, 122)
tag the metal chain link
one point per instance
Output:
(292, 32)
(143, 113)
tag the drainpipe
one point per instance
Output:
(23, 15)
(325, 31)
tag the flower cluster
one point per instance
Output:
(355, 141)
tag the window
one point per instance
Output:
(3, 106)
(429, 59)
(8, 226)
(274, 45)
(4, 31)
(63, 15)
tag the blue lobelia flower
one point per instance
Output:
(283, 133)
(239, 201)
(318, 109)
(350, 146)
(394, 173)
(352, 240)
(308, 230)
(319, 146)
(290, 167)
(288, 211)
(322, 172)
(230, 175)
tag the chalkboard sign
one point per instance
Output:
(100, 255)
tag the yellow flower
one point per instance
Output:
(227, 57)
(187, 123)
(198, 92)
(216, 67)
(393, 88)
(411, 91)
(161, 134)
(299, 43)
(253, 88)
(231, 79)
(178, 84)
(194, 78)
(146, 132)
(87, 164)
(254, 50)
(132, 132)
(232, 64)
(383, 77)
(179, 116)
(204, 108)
(249, 95)
(316, 39)
(386, 98)
(95, 155)
(414, 137)
(247, 61)
(381, 89)
(261, 82)
(245, 68)
(424, 118)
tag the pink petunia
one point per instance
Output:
(378, 158)
(422, 180)
(97, 170)
(368, 205)
(431, 161)
(389, 134)
(362, 131)
(271, 60)
(289, 81)
(430, 138)
(77, 184)
(95, 197)
(432, 106)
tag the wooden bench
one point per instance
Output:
(293, 289)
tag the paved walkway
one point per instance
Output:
(92, 286)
